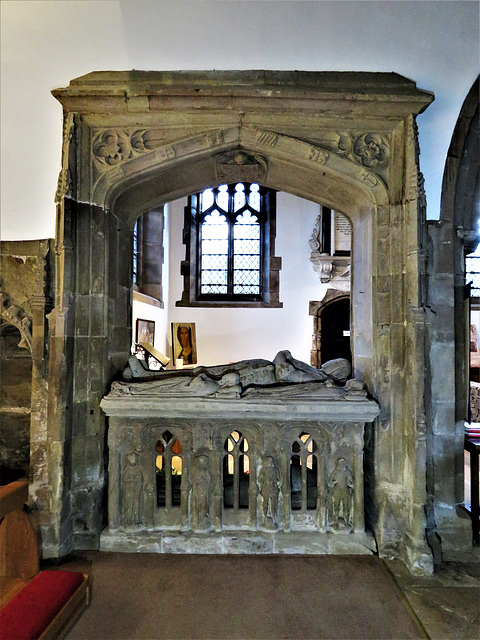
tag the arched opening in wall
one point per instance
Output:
(461, 208)
(334, 321)
(15, 403)
(232, 263)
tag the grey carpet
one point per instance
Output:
(137, 596)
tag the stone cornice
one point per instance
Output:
(143, 91)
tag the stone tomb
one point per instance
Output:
(255, 457)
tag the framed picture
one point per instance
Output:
(184, 343)
(145, 331)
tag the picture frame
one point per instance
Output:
(184, 343)
(145, 331)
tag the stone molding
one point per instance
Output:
(112, 147)
(118, 161)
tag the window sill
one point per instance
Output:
(142, 297)
(214, 304)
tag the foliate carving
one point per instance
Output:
(340, 143)
(112, 147)
(238, 165)
(340, 497)
(371, 150)
(16, 316)
(141, 142)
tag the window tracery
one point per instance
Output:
(230, 237)
(236, 469)
(168, 470)
(303, 473)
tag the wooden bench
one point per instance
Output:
(33, 605)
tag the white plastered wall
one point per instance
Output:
(229, 335)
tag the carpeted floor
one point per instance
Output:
(136, 596)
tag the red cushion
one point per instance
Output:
(32, 610)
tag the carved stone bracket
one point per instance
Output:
(333, 270)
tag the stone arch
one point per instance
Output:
(134, 140)
(316, 309)
(455, 235)
(282, 162)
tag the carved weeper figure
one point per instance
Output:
(340, 497)
(132, 492)
(202, 488)
(270, 482)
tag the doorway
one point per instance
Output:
(335, 328)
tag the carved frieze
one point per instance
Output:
(111, 147)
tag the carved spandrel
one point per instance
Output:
(16, 316)
(111, 147)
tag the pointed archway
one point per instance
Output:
(135, 140)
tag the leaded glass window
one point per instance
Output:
(230, 259)
(472, 268)
(230, 241)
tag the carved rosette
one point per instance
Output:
(369, 150)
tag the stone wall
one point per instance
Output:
(25, 298)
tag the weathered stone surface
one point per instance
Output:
(302, 442)
(346, 140)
